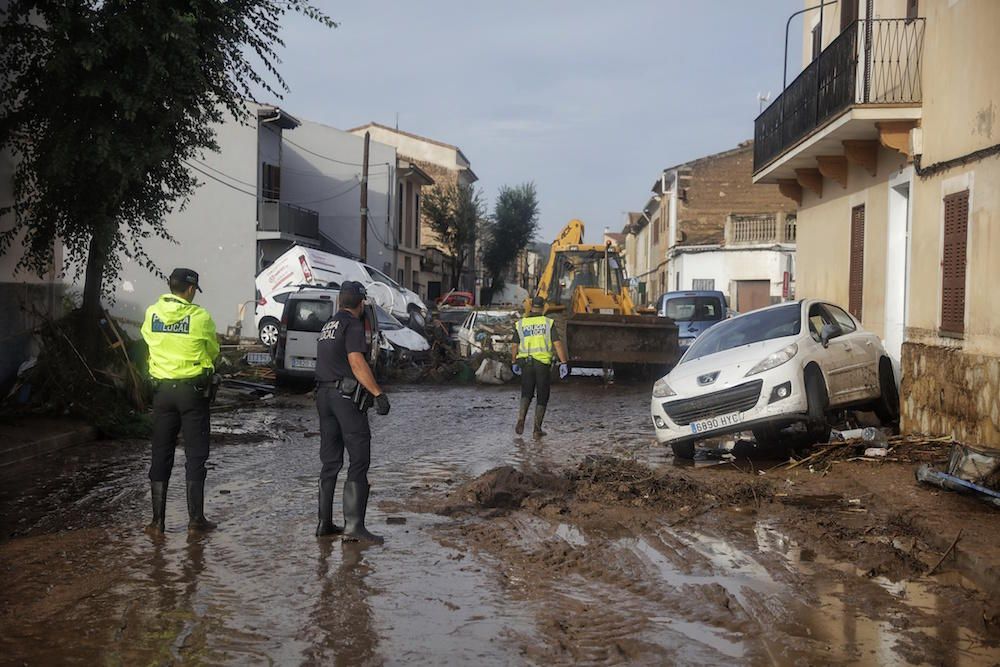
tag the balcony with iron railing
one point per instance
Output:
(871, 72)
(287, 220)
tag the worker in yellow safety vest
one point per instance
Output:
(182, 350)
(531, 358)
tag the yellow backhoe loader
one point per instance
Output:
(585, 292)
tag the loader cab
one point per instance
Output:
(594, 269)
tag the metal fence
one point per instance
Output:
(874, 61)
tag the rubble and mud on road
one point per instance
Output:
(624, 561)
(591, 545)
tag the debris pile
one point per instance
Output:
(971, 470)
(897, 449)
(107, 387)
(608, 481)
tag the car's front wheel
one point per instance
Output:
(887, 404)
(683, 450)
(267, 332)
(817, 425)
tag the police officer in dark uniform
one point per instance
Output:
(342, 364)
(182, 350)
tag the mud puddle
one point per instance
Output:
(616, 566)
(568, 557)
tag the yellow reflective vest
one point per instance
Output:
(534, 336)
(181, 339)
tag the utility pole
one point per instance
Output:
(364, 202)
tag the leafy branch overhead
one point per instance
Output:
(105, 102)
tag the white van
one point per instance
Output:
(305, 313)
(306, 266)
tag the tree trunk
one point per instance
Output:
(90, 310)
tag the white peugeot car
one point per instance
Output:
(771, 368)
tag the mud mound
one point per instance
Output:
(608, 479)
(506, 488)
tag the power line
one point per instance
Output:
(333, 196)
(219, 180)
(222, 173)
(327, 157)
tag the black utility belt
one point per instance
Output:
(200, 379)
(352, 389)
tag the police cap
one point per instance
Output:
(185, 276)
(538, 303)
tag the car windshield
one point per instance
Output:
(309, 315)
(746, 329)
(694, 309)
(387, 322)
(380, 277)
(587, 269)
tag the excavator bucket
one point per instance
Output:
(621, 339)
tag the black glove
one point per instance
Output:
(382, 404)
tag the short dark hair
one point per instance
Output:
(178, 286)
(350, 299)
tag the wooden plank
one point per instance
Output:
(812, 179)
(862, 152)
(789, 187)
(895, 135)
(833, 167)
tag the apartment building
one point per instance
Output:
(887, 139)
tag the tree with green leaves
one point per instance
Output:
(512, 228)
(104, 102)
(454, 213)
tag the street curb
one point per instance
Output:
(28, 450)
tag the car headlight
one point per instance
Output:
(662, 390)
(774, 360)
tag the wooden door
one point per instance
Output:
(752, 294)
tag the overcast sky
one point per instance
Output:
(588, 99)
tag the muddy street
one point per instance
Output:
(589, 546)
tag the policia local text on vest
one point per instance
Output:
(182, 351)
(537, 339)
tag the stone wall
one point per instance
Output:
(947, 391)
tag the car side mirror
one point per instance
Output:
(829, 331)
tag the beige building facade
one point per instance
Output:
(443, 164)
(896, 167)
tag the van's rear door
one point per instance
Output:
(306, 318)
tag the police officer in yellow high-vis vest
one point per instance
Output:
(537, 339)
(182, 352)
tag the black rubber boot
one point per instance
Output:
(355, 507)
(159, 492)
(326, 526)
(196, 508)
(539, 418)
(522, 414)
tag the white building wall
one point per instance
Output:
(726, 266)
(332, 187)
(215, 234)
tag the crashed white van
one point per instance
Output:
(301, 266)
